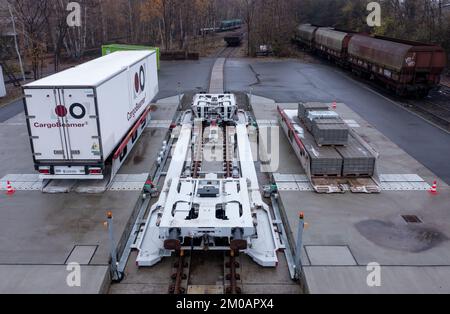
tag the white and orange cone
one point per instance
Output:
(9, 189)
(334, 105)
(433, 189)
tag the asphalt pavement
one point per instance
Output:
(291, 81)
(11, 110)
(177, 77)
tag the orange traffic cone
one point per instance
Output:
(334, 106)
(9, 189)
(433, 189)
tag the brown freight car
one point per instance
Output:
(234, 39)
(332, 43)
(406, 67)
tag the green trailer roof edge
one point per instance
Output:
(107, 49)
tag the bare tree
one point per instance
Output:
(249, 12)
(58, 29)
(33, 15)
(16, 44)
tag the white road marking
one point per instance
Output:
(389, 182)
(31, 182)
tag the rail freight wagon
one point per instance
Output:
(234, 40)
(332, 43)
(404, 66)
(230, 25)
(83, 122)
(108, 49)
(305, 35)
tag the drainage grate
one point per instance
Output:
(412, 219)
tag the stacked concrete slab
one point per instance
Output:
(333, 150)
(330, 131)
(326, 126)
(325, 161)
(305, 108)
(358, 161)
(317, 115)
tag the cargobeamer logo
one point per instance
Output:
(139, 81)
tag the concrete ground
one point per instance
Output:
(49, 279)
(348, 231)
(39, 233)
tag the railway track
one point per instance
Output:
(232, 277)
(435, 108)
(202, 262)
(228, 52)
(189, 265)
(180, 276)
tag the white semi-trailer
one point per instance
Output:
(84, 121)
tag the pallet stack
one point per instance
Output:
(325, 161)
(358, 161)
(328, 132)
(333, 150)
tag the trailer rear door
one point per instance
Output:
(63, 124)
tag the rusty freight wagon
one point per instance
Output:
(408, 68)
